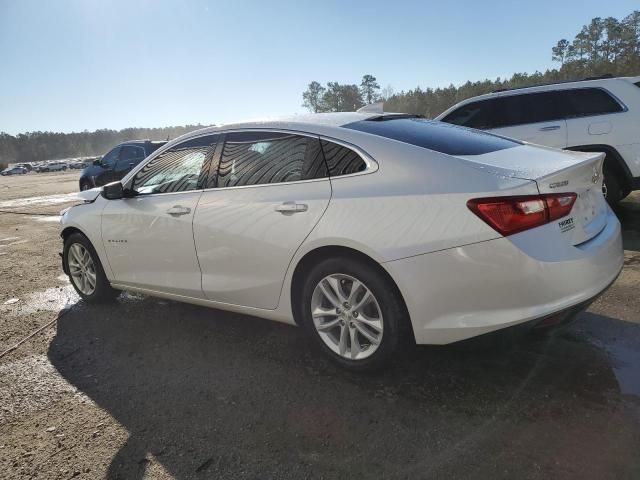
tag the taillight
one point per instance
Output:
(509, 215)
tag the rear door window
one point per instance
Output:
(585, 102)
(527, 108)
(259, 158)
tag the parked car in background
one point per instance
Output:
(53, 166)
(15, 170)
(117, 162)
(77, 164)
(365, 229)
(27, 166)
(593, 115)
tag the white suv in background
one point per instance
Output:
(593, 115)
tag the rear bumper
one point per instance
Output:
(468, 291)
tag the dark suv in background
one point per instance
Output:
(116, 163)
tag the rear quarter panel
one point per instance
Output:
(414, 203)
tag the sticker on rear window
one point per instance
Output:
(566, 225)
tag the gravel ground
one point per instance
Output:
(147, 388)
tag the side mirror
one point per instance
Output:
(97, 162)
(113, 191)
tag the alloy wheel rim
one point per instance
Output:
(347, 316)
(82, 270)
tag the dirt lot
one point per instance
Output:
(147, 388)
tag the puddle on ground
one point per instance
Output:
(51, 300)
(29, 384)
(52, 218)
(43, 200)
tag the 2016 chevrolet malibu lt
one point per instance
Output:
(359, 227)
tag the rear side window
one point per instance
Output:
(588, 101)
(152, 147)
(258, 158)
(177, 169)
(530, 108)
(342, 160)
(436, 136)
(131, 153)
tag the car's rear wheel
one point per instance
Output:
(84, 185)
(353, 312)
(85, 270)
(612, 187)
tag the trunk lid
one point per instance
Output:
(557, 171)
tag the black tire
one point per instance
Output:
(84, 185)
(612, 187)
(395, 319)
(103, 291)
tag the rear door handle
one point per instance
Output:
(291, 207)
(550, 128)
(178, 210)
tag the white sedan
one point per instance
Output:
(363, 228)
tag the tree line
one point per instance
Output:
(36, 146)
(602, 47)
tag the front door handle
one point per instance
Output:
(550, 128)
(178, 210)
(291, 207)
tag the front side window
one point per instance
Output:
(258, 158)
(177, 169)
(585, 102)
(109, 160)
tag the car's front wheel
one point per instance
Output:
(85, 270)
(353, 312)
(85, 185)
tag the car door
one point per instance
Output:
(592, 114)
(130, 156)
(532, 117)
(107, 164)
(271, 190)
(148, 236)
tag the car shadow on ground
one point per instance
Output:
(207, 393)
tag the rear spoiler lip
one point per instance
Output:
(580, 158)
(592, 156)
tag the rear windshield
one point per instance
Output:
(438, 136)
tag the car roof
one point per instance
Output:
(142, 142)
(314, 123)
(595, 82)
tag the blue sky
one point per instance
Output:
(76, 65)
